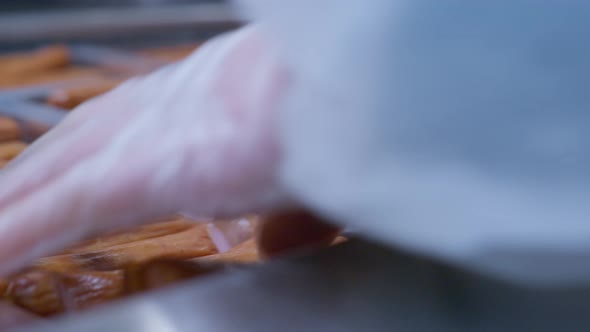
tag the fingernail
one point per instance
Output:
(227, 234)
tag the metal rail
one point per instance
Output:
(111, 21)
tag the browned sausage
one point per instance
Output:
(44, 59)
(9, 150)
(50, 76)
(172, 53)
(135, 234)
(190, 243)
(9, 129)
(160, 273)
(47, 293)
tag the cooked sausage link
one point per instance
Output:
(162, 228)
(173, 53)
(9, 150)
(194, 242)
(9, 129)
(36, 291)
(70, 73)
(161, 273)
(47, 58)
(190, 243)
(47, 293)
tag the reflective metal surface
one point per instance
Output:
(31, 112)
(134, 26)
(16, 6)
(358, 286)
(97, 21)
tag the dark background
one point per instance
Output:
(49, 5)
(28, 15)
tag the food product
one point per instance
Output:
(9, 129)
(72, 73)
(113, 266)
(173, 53)
(44, 59)
(11, 149)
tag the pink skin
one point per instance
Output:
(196, 137)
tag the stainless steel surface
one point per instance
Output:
(40, 90)
(114, 59)
(29, 111)
(56, 5)
(357, 286)
(19, 27)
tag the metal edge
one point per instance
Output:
(82, 23)
(29, 111)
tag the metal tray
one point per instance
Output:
(102, 36)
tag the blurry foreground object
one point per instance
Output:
(458, 130)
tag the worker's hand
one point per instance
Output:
(195, 137)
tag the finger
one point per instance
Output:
(90, 114)
(286, 232)
(115, 177)
(113, 110)
(70, 207)
(226, 234)
(100, 190)
(23, 176)
(79, 136)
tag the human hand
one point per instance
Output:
(196, 137)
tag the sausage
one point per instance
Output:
(47, 58)
(173, 53)
(9, 129)
(76, 258)
(160, 273)
(194, 242)
(49, 76)
(119, 265)
(136, 234)
(47, 293)
(190, 243)
(11, 149)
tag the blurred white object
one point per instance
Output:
(459, 129)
